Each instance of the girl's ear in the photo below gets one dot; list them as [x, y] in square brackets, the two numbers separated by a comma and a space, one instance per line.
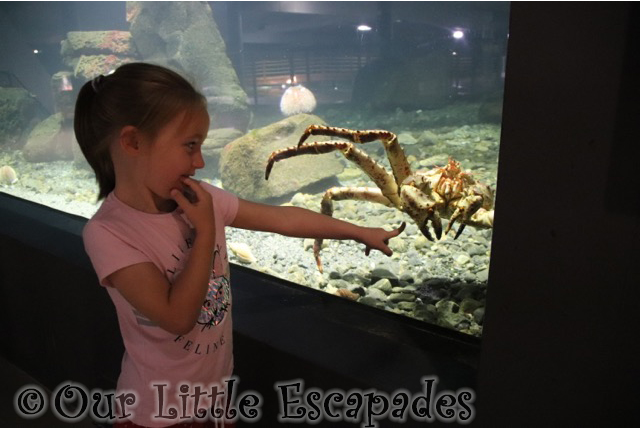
[129, 140]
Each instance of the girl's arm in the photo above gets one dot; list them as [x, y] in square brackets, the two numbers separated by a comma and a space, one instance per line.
[303, 223]
[175, 307]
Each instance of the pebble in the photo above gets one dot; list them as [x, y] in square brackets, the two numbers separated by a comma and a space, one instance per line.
[398, 245]
[483, 275]
[462, 259]
[383, 285]
[376, 293]
[381, 272]
[407, 139]
[402, 297]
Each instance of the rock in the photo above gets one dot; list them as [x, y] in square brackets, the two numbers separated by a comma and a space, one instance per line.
[483, 275]
[478, 315]
[469, 305]
[79, 43]
[406, 139]
[243, 162]
[449, 314]
[184, 35]
[398, 245]
[420, 242]
[19, 113]
[383, 285]
[433, 292]
[377, 294]
[406, 306]
[426, 312]
[91, 53]
[476, 250]
[462, 259]
[90, 66]
[383, 273]
[371, 301]
[402, 297]
[52, 139]
[428, 138]
[213, 145]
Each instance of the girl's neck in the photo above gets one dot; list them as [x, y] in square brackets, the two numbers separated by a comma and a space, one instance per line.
[145, 201]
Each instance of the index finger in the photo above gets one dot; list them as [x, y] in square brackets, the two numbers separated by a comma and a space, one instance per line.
[400, 229]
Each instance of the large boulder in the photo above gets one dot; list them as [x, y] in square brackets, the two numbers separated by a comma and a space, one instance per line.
[19, 113]
[243, 162]
[52, 139]
[184, 36]
[212, 147]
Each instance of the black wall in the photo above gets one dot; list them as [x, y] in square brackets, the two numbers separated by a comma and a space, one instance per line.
[561, 345]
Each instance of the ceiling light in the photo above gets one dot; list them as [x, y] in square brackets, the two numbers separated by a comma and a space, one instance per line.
[364, 27]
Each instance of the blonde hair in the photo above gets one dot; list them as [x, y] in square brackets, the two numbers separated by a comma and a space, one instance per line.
[143, 95]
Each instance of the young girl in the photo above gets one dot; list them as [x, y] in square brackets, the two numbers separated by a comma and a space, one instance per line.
[157, 243]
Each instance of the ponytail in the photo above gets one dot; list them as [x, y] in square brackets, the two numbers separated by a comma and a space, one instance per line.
[95, 148]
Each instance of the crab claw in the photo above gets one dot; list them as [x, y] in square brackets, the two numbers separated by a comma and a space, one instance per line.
[454, 217]
[460, 229]
[435, 221]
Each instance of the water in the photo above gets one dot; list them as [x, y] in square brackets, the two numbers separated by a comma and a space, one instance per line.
[440, 95]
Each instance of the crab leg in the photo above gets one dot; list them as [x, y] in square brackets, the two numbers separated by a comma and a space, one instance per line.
[370, 194]
[373, 169]
[421, 208]
[466, 211]
[395, 153]
[482, 219]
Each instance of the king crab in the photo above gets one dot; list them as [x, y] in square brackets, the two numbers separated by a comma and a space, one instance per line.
[426, 196]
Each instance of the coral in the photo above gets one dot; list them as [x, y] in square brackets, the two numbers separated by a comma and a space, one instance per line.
[89, 66]
[297, 99]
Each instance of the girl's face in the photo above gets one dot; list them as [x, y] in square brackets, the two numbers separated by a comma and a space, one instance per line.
[174, 153]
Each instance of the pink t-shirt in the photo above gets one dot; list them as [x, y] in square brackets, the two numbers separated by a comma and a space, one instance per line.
[156, 362]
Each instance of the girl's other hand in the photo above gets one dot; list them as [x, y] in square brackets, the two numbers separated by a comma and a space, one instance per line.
[197, 206]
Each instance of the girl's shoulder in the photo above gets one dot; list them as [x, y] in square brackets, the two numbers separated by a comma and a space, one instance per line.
[224, 201]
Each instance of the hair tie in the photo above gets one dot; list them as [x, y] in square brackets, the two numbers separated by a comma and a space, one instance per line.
[95, 83]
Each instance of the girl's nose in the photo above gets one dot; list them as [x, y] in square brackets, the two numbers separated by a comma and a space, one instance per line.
[198, 160]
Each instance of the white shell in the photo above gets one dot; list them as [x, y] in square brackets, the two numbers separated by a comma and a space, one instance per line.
[8, 175]
[242, 252]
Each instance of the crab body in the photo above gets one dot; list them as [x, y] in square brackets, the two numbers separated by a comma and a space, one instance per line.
[426, 196]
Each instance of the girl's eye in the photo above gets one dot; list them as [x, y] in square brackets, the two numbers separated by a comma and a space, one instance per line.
[191, 145]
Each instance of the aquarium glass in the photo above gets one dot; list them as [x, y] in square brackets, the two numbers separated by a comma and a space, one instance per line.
[431, 73]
